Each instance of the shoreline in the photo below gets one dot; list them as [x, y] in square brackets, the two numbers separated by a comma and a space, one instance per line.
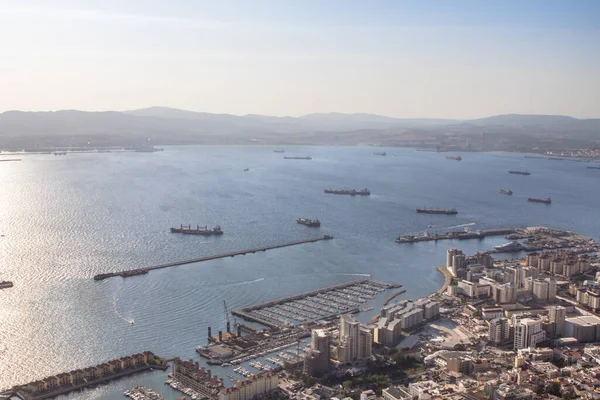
[114, 149]
[447, 280]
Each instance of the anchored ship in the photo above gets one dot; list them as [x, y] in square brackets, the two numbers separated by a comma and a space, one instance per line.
[6, 284]
[279, 151]
[309, 222]
[455, 158]
[519, 172]
[512, 246]
[505, 191]
[353, 192]
[593, 167]
[380, 154]
[298, 158]
[200, 230]
[447, 211]
[547, 200]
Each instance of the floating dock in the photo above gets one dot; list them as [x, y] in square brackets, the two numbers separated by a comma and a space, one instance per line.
[145, 270]
[320, 304]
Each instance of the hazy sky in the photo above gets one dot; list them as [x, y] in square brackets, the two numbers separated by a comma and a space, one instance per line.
[457, 59]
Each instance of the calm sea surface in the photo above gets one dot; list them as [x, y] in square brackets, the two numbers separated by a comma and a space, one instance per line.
[65, 219]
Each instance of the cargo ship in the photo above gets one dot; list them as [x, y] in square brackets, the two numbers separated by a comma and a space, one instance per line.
[298, 158]
[279, 151]
[505, 191]
[512, 246]
[309, 222]
[446, 211]
[593, 167]
[6, 284]
[383, 153]
[200, 230]
[519, 172]
[455, 158]
[353, 192]
[60, 153]
[547, 200]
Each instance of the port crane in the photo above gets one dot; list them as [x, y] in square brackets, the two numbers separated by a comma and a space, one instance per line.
[226, 311]
[235, 324]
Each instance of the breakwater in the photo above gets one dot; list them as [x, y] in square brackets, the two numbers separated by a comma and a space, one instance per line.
[145, 270]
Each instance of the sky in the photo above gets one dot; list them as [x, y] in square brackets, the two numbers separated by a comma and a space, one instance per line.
[410, 59]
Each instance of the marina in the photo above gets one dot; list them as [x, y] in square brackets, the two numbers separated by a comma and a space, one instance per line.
[141, 271]
[317, 305]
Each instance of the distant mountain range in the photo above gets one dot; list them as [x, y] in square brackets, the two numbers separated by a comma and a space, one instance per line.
[165, 126]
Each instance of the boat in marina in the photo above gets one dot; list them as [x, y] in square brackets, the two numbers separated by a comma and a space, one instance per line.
[510, 247]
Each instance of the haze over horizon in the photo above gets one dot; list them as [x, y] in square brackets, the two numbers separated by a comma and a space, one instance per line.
[431, 59]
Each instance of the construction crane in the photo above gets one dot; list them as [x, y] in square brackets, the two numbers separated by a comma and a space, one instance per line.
[226, 311]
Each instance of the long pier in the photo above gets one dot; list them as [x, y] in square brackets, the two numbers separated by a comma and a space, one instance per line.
[145, 270]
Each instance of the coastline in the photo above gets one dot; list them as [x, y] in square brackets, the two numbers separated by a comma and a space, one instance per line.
[447, 280]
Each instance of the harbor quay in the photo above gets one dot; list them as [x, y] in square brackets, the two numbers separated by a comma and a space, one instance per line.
[320, 304]
[461, 235]
[141, 271]
[67, 382]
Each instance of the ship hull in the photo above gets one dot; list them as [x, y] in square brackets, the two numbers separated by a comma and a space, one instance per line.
[348, 192]
[307, 222]
[540, 201]
[195, 232]
[442, 212]
[519, 173]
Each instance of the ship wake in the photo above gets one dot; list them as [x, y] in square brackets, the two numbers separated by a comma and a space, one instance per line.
[128, 320]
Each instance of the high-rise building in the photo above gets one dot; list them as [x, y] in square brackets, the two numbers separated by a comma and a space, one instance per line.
[499, 330]
[316, 362]
[515, 276]
[528, 331]
[355, 341]
[557, 316]
[540, 290]
[450, 253]
[551, 289]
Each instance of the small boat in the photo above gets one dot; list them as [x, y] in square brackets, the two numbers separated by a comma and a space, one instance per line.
[505, 191]
[246, 169]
